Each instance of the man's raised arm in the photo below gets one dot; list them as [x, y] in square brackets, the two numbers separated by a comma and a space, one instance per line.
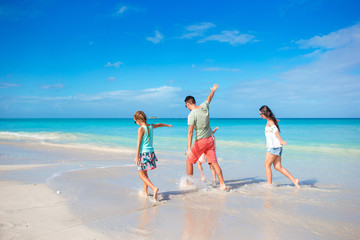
[211, 95]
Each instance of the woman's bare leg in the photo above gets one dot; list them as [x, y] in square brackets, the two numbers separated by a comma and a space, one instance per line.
[278, 167]
[269, 159]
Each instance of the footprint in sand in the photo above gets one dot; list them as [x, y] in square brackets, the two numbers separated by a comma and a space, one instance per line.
[6, 225]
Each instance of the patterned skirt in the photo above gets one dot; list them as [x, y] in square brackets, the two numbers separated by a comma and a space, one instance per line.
[147, 161]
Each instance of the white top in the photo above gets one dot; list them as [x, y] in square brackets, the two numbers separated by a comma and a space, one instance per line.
[272, 140]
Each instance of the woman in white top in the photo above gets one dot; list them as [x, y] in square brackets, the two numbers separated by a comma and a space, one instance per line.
[274, 145]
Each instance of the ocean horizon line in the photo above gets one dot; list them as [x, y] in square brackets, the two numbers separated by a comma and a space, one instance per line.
[150, 118]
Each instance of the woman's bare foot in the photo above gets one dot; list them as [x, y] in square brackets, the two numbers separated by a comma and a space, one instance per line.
[155, 194]
[296, 183]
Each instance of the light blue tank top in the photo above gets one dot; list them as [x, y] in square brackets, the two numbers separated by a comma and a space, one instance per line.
[146, 145]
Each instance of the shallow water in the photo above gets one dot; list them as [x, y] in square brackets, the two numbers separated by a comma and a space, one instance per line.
[110, 200]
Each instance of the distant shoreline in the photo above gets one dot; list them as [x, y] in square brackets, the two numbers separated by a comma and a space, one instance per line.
[69, 118]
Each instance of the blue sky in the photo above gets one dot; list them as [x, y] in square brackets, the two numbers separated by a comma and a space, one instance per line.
[111, 58]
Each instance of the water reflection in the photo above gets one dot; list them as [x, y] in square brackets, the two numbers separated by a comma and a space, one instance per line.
[202, 215]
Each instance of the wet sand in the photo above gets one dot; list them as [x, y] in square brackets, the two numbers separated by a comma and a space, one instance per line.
[53, 192]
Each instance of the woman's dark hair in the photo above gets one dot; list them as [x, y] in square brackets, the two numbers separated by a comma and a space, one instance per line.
[269, 114]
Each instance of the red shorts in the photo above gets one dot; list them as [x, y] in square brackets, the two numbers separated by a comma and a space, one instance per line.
[204, 145]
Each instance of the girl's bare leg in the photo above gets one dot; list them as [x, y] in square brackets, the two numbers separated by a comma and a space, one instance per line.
[201, 169]
[213, 173]
[143, 176]
[277, 165]
[146, 186]
[269, 159]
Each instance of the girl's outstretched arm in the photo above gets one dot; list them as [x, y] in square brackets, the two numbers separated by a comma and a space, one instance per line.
[161, 125]
[141, 132]
[282, 142]
[215, 129]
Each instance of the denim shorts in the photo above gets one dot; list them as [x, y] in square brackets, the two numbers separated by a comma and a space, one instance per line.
[275, 151]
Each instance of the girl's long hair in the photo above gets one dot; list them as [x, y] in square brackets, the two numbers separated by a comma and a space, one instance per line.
[140, 115]
[269, 114]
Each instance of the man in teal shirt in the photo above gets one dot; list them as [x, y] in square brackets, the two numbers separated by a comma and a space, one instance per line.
[199, 120]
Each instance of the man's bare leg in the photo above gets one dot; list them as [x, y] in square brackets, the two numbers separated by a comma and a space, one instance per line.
[218, 172]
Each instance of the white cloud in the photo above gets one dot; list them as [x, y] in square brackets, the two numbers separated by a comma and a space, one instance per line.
[122, 10]
[333, 40]
[144, 95]
[8, 85]
[197, 30]
[115, 64]
[157, 38]
[340, 50]
[231, 37]
[54, 98]
[162, 94]
[218, 69]
[328, 86]
[111, 79]
[121, 102]
[58, 85]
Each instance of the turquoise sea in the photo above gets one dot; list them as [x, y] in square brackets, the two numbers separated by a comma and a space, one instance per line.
[235, 135]
[334, 133]
[91, 163]
[333, 142]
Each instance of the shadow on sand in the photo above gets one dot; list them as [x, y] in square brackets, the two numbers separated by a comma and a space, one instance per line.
[168, 194]
[236, 184]
[308, 183]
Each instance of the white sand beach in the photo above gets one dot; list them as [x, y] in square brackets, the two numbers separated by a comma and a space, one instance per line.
[34, 211]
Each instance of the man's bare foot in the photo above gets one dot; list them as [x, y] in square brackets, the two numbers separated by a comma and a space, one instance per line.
[155, 194]
[297, 183]
[203, 179]
[222, 187]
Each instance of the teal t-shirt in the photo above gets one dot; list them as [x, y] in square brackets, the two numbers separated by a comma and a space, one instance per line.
[200, 119]
[146, 145]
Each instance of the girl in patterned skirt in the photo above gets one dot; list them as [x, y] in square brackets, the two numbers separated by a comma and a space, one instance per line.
[145, 156]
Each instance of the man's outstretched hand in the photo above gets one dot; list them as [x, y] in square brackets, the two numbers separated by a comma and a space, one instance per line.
[214, 87]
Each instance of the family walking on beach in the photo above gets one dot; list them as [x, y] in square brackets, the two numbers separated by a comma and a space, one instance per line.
[204, 143]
